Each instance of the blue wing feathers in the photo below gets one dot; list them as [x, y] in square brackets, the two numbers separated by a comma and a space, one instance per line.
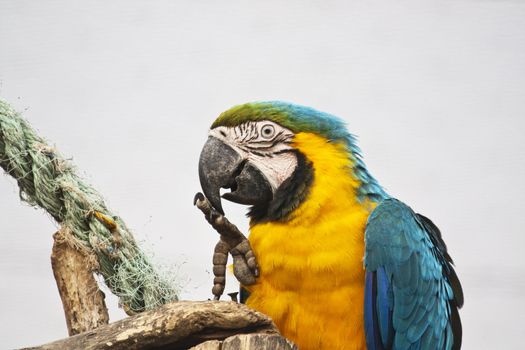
[369, 310]
[435, 236]
[378, 304]
[373, 340]
[384, 307]
[412, 292]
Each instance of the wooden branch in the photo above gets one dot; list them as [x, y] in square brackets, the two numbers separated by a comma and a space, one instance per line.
[83, 302]
[249, 342]
[177, 325]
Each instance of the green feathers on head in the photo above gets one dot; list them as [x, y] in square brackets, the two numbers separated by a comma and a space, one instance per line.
[294, 117]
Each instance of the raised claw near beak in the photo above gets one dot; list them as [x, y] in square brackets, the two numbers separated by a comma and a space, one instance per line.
[245, 267]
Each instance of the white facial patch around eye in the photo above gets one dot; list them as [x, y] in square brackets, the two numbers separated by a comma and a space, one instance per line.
[265, 144]
[223, 133]
[255, 136]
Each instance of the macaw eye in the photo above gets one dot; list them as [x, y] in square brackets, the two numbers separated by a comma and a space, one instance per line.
[268, 131]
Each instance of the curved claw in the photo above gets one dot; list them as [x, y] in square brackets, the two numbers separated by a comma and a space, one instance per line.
[199, 197]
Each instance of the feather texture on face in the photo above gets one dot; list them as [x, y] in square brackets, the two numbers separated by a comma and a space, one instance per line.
[265, 144]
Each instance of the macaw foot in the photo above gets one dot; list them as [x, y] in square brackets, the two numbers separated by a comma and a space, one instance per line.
[245, 267]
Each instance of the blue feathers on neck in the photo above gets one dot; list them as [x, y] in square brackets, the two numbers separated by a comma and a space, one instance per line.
[306, 119]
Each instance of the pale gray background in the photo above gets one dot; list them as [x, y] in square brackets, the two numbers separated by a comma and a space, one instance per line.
[434, 89]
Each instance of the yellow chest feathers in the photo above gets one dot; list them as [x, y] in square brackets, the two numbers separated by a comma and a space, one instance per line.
[312, 276]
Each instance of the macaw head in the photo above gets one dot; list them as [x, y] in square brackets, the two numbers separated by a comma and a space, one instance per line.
[254, 151]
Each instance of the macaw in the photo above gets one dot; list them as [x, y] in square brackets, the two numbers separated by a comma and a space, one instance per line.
[342, 264]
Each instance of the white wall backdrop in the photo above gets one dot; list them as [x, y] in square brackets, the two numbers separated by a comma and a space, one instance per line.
[128, 89]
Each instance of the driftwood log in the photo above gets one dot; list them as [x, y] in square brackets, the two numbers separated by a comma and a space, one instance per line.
[248, 342]
[177, 325]
[257, 342]
[83, 302]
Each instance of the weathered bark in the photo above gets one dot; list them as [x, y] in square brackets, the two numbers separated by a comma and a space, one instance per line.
[177, 325]
[249, 342]
[83, 302]
[208, 345]
[257, 342]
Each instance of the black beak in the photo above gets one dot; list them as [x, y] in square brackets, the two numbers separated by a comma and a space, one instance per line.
[220, 166]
